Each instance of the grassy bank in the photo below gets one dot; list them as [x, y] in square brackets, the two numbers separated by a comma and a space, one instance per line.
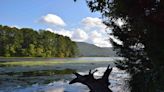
[40, 73]
[35, 63]
[29, 63]
[40, 63]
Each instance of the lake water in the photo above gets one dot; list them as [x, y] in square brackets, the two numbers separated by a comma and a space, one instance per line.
[62, 59]
[117, 77]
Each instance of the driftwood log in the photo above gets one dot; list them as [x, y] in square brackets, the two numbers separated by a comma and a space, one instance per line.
[95, 85]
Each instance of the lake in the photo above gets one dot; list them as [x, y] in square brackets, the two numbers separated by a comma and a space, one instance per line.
[59, 82]
[60, 59]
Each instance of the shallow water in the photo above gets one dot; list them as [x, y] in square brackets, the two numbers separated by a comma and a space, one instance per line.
[117, 79]
[59, 83]
[61, 59]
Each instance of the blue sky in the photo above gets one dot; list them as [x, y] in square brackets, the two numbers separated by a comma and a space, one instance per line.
[42, 14]
[24, 13]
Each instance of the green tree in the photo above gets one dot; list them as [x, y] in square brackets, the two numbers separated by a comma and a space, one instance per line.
[47, 40]
[10, 40]
[141, 36]
[29, 42]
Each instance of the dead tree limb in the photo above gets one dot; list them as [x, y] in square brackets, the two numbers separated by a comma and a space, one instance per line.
[95, 85]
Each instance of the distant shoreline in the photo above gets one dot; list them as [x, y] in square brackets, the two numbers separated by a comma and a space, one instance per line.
[12, 59]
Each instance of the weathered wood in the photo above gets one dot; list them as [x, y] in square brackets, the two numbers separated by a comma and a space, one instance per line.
[95, 85]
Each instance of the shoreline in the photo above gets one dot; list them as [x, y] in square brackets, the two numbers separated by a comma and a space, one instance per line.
[11, 59]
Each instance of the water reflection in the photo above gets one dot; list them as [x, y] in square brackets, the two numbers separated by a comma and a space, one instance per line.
[117, 79]
[63, 59]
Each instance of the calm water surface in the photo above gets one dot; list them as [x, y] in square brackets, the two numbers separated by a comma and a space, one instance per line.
[59, 83]
[62, 59]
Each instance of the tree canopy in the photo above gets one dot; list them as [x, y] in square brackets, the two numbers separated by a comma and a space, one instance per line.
[141, 34]
[26, 42]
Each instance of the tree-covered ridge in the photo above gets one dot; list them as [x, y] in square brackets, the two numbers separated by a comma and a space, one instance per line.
[26, 42]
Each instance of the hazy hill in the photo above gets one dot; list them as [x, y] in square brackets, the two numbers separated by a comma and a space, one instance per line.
[86, 49]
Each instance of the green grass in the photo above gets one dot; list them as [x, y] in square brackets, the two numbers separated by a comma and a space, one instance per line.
[40, 73]
[35, 63]
[40, 63]
[30, 63]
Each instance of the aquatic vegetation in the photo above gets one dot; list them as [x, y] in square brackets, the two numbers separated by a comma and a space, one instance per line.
[40, 73]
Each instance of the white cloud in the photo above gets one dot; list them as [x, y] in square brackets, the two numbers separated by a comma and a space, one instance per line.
[116, 40]
[92, 31]
[52, 19]
[120, 22]
[75, 35]
[99, 39]
[64, 32]
[96, 31]
[49, 29]
[61, 32]
[15, 26]
[93, 22]
[79, 35]
[102, 43]
[95, 34]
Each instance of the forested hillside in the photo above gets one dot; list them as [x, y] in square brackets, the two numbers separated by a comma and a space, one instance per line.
[26, 42]
[90, 50]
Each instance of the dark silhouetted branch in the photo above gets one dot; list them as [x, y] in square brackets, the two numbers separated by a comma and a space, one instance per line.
[95, 85]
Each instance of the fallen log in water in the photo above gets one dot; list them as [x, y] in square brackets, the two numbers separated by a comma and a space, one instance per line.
[95, 85]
